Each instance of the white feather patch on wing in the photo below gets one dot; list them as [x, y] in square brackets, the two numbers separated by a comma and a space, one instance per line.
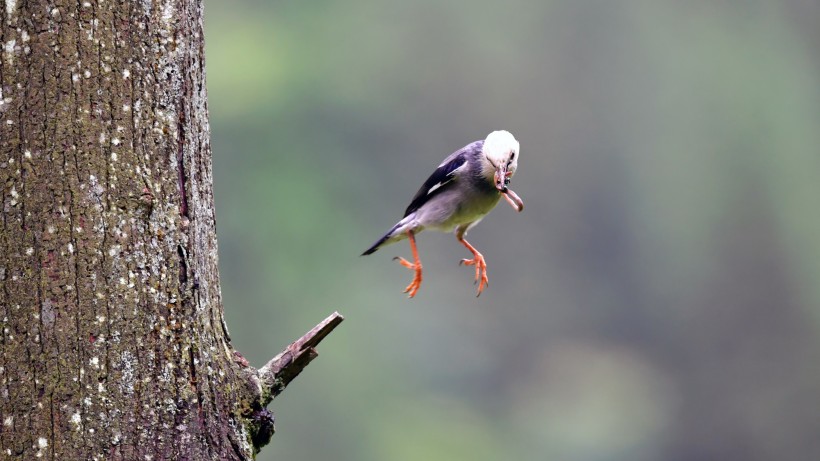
[450, 178]
[436, 186]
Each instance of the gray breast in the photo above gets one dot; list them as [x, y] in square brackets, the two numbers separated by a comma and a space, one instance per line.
[455, 207]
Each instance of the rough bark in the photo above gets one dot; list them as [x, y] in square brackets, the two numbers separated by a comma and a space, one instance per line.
[113, 340]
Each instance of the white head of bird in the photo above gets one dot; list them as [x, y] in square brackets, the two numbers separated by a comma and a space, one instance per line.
[501, 151]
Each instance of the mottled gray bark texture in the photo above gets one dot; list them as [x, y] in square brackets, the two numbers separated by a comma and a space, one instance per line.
[113, 340]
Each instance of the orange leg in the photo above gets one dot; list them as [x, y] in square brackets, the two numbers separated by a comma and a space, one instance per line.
[478, 262]
[416, 266]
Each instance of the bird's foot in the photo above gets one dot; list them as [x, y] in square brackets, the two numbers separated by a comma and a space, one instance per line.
[480, 271]
[414, 286]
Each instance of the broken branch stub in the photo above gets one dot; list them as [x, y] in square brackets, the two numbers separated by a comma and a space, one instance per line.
[281, 370]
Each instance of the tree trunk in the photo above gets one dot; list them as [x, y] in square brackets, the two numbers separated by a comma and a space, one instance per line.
[113, 339]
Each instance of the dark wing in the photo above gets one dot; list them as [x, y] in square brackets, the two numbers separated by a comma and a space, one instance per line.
[441, 179]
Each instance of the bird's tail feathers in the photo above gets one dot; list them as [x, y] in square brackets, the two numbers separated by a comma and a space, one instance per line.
[390, 237]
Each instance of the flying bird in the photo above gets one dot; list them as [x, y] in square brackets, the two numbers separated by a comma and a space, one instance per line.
[462, 190]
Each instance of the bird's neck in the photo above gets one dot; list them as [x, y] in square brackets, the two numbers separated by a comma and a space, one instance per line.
[487, 171]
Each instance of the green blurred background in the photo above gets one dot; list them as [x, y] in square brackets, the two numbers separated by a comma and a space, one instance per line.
[658, 298]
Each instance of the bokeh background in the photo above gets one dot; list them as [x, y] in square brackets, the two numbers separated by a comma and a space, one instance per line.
[657, 299]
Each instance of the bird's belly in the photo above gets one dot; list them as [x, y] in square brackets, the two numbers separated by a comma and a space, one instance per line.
[459, 213]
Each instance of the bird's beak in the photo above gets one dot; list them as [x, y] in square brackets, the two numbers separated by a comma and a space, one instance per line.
[502, 178]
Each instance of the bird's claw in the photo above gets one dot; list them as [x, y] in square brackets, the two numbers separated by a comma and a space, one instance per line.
[404, 262]
[480, 271]
[414, 286]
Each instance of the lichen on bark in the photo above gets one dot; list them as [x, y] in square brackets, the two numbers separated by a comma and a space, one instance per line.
[113, 340]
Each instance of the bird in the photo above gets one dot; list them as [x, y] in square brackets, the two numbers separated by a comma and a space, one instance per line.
[460, 192]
